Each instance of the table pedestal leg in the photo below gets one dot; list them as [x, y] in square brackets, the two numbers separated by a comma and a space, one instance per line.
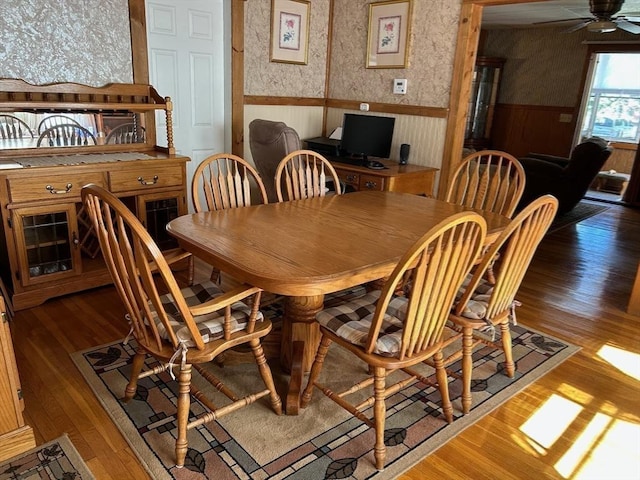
[300, 339]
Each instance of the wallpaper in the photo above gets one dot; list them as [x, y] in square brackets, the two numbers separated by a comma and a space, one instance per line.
[263, 77]
[83, 41]
[434, 27]
[544, 66]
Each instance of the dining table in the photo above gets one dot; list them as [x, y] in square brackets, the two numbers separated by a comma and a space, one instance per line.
[304, 249]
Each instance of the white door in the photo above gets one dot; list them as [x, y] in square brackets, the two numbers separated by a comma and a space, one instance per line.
[186, 44]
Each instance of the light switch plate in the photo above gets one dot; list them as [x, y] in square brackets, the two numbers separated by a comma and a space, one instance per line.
[400, 86]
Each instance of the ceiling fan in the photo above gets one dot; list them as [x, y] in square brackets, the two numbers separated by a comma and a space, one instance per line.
[604, 19]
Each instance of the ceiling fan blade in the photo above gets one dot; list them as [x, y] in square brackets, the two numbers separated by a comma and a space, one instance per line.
[562, 21]
[575, 28]
[628, 26]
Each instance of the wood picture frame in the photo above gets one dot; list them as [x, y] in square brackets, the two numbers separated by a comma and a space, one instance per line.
[290, 31]
[389, 34]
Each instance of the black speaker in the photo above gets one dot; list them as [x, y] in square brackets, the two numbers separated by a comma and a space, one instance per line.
[404, 153]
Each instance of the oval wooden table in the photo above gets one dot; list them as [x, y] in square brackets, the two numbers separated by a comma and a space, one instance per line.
[306, 248]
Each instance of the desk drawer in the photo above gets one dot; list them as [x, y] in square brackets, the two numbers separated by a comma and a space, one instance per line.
[50, 187]
[349, 178]
[371, 182]
[141, 178]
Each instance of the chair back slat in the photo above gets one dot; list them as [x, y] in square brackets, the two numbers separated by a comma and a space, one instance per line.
[65, 135]
[138, 268]
[488, 180]
[517, 244]
[224, 181]
[304, 174]
[436, 265]
[13, 128]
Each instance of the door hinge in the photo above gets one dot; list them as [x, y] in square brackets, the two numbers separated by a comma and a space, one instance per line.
[3, 317]
[19, 392]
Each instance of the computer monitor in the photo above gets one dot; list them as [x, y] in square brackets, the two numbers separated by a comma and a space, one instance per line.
[367, 135]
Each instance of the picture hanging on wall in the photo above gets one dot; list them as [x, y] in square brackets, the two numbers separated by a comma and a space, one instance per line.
[290, 31]
[389, 34]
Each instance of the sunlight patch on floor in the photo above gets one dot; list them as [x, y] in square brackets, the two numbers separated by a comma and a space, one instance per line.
[607, 448]
[550, 421]
[625, 361]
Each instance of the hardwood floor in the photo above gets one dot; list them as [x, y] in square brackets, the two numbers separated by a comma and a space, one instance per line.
[577, 289]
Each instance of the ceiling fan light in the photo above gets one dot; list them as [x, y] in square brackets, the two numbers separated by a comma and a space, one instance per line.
[601, 26]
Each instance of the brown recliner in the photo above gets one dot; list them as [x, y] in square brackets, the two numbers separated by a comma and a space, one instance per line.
[270, 142]
[567, 179]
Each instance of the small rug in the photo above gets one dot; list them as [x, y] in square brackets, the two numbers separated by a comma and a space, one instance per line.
[57, 460]
[324, 441]
[580, 212]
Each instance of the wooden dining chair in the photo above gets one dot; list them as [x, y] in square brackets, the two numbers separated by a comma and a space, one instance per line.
[54, 120]
[12, 127]
[489, 180]
[126, 133]
[180, 328]
[483, 306]
[391, 333]
[66, 135]
[304, 174]
[224, 181]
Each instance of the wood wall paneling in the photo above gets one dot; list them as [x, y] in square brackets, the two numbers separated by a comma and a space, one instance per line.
[521, 129]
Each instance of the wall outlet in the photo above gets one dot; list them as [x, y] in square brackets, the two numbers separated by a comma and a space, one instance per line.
[364, 107]
[400, 86]
[566, 118]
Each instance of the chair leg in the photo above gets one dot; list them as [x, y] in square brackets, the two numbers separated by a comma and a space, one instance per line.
[443, 384]
[467, 366]
[509, 366]
[182, 416]
[379, 415]
[136, 368]
[265, 373]
[316, 368]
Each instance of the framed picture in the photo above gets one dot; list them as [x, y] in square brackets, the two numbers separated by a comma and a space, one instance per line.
[389, 34]
[290, 31]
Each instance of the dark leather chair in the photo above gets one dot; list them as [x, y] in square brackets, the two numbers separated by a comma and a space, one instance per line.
[270, 142]
[567, 179]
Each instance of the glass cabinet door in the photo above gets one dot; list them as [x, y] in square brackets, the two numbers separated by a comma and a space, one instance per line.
[156, 210]
[484, 94]
[47, 242]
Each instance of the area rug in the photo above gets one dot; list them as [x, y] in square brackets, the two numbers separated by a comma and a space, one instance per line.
[324, 441]
[581, 211]
[55, 460]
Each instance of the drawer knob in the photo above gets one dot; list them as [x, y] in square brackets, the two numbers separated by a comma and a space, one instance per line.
[54, 191]
[371, 185]
[147, 182]
[351, 178]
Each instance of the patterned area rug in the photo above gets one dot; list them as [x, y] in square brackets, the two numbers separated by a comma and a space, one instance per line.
[324, 441]
[57, 460]
[580, 212]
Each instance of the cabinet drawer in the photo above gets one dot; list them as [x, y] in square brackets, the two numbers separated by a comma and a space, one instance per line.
[371, 182]
[67, 185]
[349, 178]
[140, 178]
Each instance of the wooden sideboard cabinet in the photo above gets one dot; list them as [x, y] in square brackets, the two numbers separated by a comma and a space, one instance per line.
[395, 178]
[15, 436]
[47, 246]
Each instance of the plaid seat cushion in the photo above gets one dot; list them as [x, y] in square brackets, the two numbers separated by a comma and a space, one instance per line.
[352, 320]
[210, 325]
[477, 305]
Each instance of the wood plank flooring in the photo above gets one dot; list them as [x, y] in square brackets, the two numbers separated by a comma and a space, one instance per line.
[576, 289]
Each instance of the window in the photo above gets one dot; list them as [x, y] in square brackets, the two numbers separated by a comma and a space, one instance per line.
[611, 109]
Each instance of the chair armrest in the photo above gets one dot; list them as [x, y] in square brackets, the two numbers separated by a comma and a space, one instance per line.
[561, 161]
[228, 298]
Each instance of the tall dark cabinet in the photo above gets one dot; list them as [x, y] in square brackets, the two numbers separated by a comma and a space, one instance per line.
[484, 94]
